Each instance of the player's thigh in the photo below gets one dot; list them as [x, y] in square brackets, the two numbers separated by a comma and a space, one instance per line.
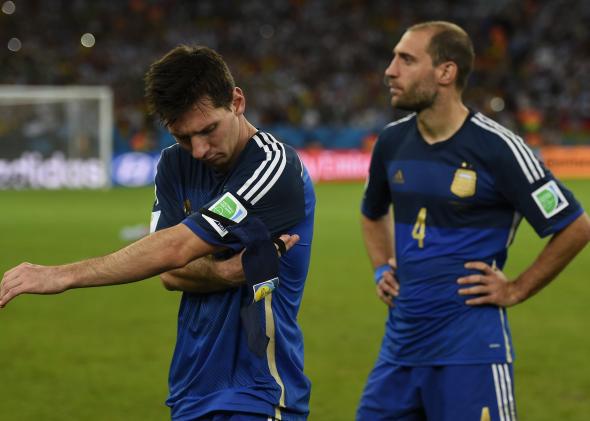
[482, 392]
[390, 394]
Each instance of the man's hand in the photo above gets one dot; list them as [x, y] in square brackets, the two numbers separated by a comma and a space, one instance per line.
[289, 239]
[207, 275]
[231, 269]
[491, 286]
[388, 287]
[31, 279]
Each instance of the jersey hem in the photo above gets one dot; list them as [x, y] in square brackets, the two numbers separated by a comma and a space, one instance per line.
[446, 362]
[269, 411]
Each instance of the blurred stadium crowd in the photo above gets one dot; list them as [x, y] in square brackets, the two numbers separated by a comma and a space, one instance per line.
[311, 68]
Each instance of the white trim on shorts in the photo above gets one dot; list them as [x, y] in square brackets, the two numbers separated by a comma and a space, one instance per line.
[504, 395]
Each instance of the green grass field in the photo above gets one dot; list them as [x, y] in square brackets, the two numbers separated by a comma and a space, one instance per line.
[103, 354]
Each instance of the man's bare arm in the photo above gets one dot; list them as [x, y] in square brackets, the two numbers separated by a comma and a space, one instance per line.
[160, 252]
[378, 237]
[493, 287]
[207, 274]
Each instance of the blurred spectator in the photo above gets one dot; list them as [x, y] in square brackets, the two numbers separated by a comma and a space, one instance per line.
[312, 63]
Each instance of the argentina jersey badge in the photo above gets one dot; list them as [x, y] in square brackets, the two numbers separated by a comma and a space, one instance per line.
[464, 182]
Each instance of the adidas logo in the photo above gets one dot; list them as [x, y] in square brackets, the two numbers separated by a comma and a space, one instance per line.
[398, 177]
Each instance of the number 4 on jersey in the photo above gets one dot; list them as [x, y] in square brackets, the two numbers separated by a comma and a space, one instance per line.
[419, 231]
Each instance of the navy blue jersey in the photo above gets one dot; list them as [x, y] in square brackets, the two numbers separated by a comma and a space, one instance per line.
[456, 201]
[212, 368]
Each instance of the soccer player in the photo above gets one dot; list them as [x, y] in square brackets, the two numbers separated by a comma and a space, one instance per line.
[459, 183]
[224, 185]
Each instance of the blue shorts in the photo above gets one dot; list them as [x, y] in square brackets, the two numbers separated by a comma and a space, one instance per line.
[481, 392]
[234, 416]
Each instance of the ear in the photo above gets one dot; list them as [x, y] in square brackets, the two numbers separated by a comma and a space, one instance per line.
[447, 73]
[238, 101]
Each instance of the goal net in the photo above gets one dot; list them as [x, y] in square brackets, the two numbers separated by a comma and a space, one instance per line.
[55, 137]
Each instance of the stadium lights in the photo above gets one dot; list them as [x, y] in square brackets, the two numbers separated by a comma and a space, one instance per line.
[14, 44]
[497, 104]
[87, 40]
[267, 31]
[8, 7]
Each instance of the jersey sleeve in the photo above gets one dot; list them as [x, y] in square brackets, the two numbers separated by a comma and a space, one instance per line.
[268, 186]
[532, 189]
[377, 198]
[167, 210]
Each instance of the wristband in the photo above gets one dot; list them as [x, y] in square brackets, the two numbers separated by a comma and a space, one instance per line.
[380, 271]
[282, 248]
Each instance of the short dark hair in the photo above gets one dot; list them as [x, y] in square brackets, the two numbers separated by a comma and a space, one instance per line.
[184, 77]
[450, 42]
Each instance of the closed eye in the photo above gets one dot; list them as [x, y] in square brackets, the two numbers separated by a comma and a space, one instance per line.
[208, 130]
[186, 139]
[407, 58]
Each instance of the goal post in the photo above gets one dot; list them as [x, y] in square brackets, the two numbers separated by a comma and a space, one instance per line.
[55, 137]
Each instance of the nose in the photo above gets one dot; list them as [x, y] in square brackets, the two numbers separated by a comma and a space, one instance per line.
[392, 71]
[199, 147]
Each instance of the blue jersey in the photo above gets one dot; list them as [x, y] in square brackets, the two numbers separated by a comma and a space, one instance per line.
[212, 368]
[456, 201]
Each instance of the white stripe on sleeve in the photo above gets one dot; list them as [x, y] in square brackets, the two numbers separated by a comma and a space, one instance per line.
[512, 147]
[256, 173]
[273, 181]
[528, 155]
[262, 181]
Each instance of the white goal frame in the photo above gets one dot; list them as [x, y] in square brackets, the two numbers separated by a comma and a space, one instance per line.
[42, 94]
